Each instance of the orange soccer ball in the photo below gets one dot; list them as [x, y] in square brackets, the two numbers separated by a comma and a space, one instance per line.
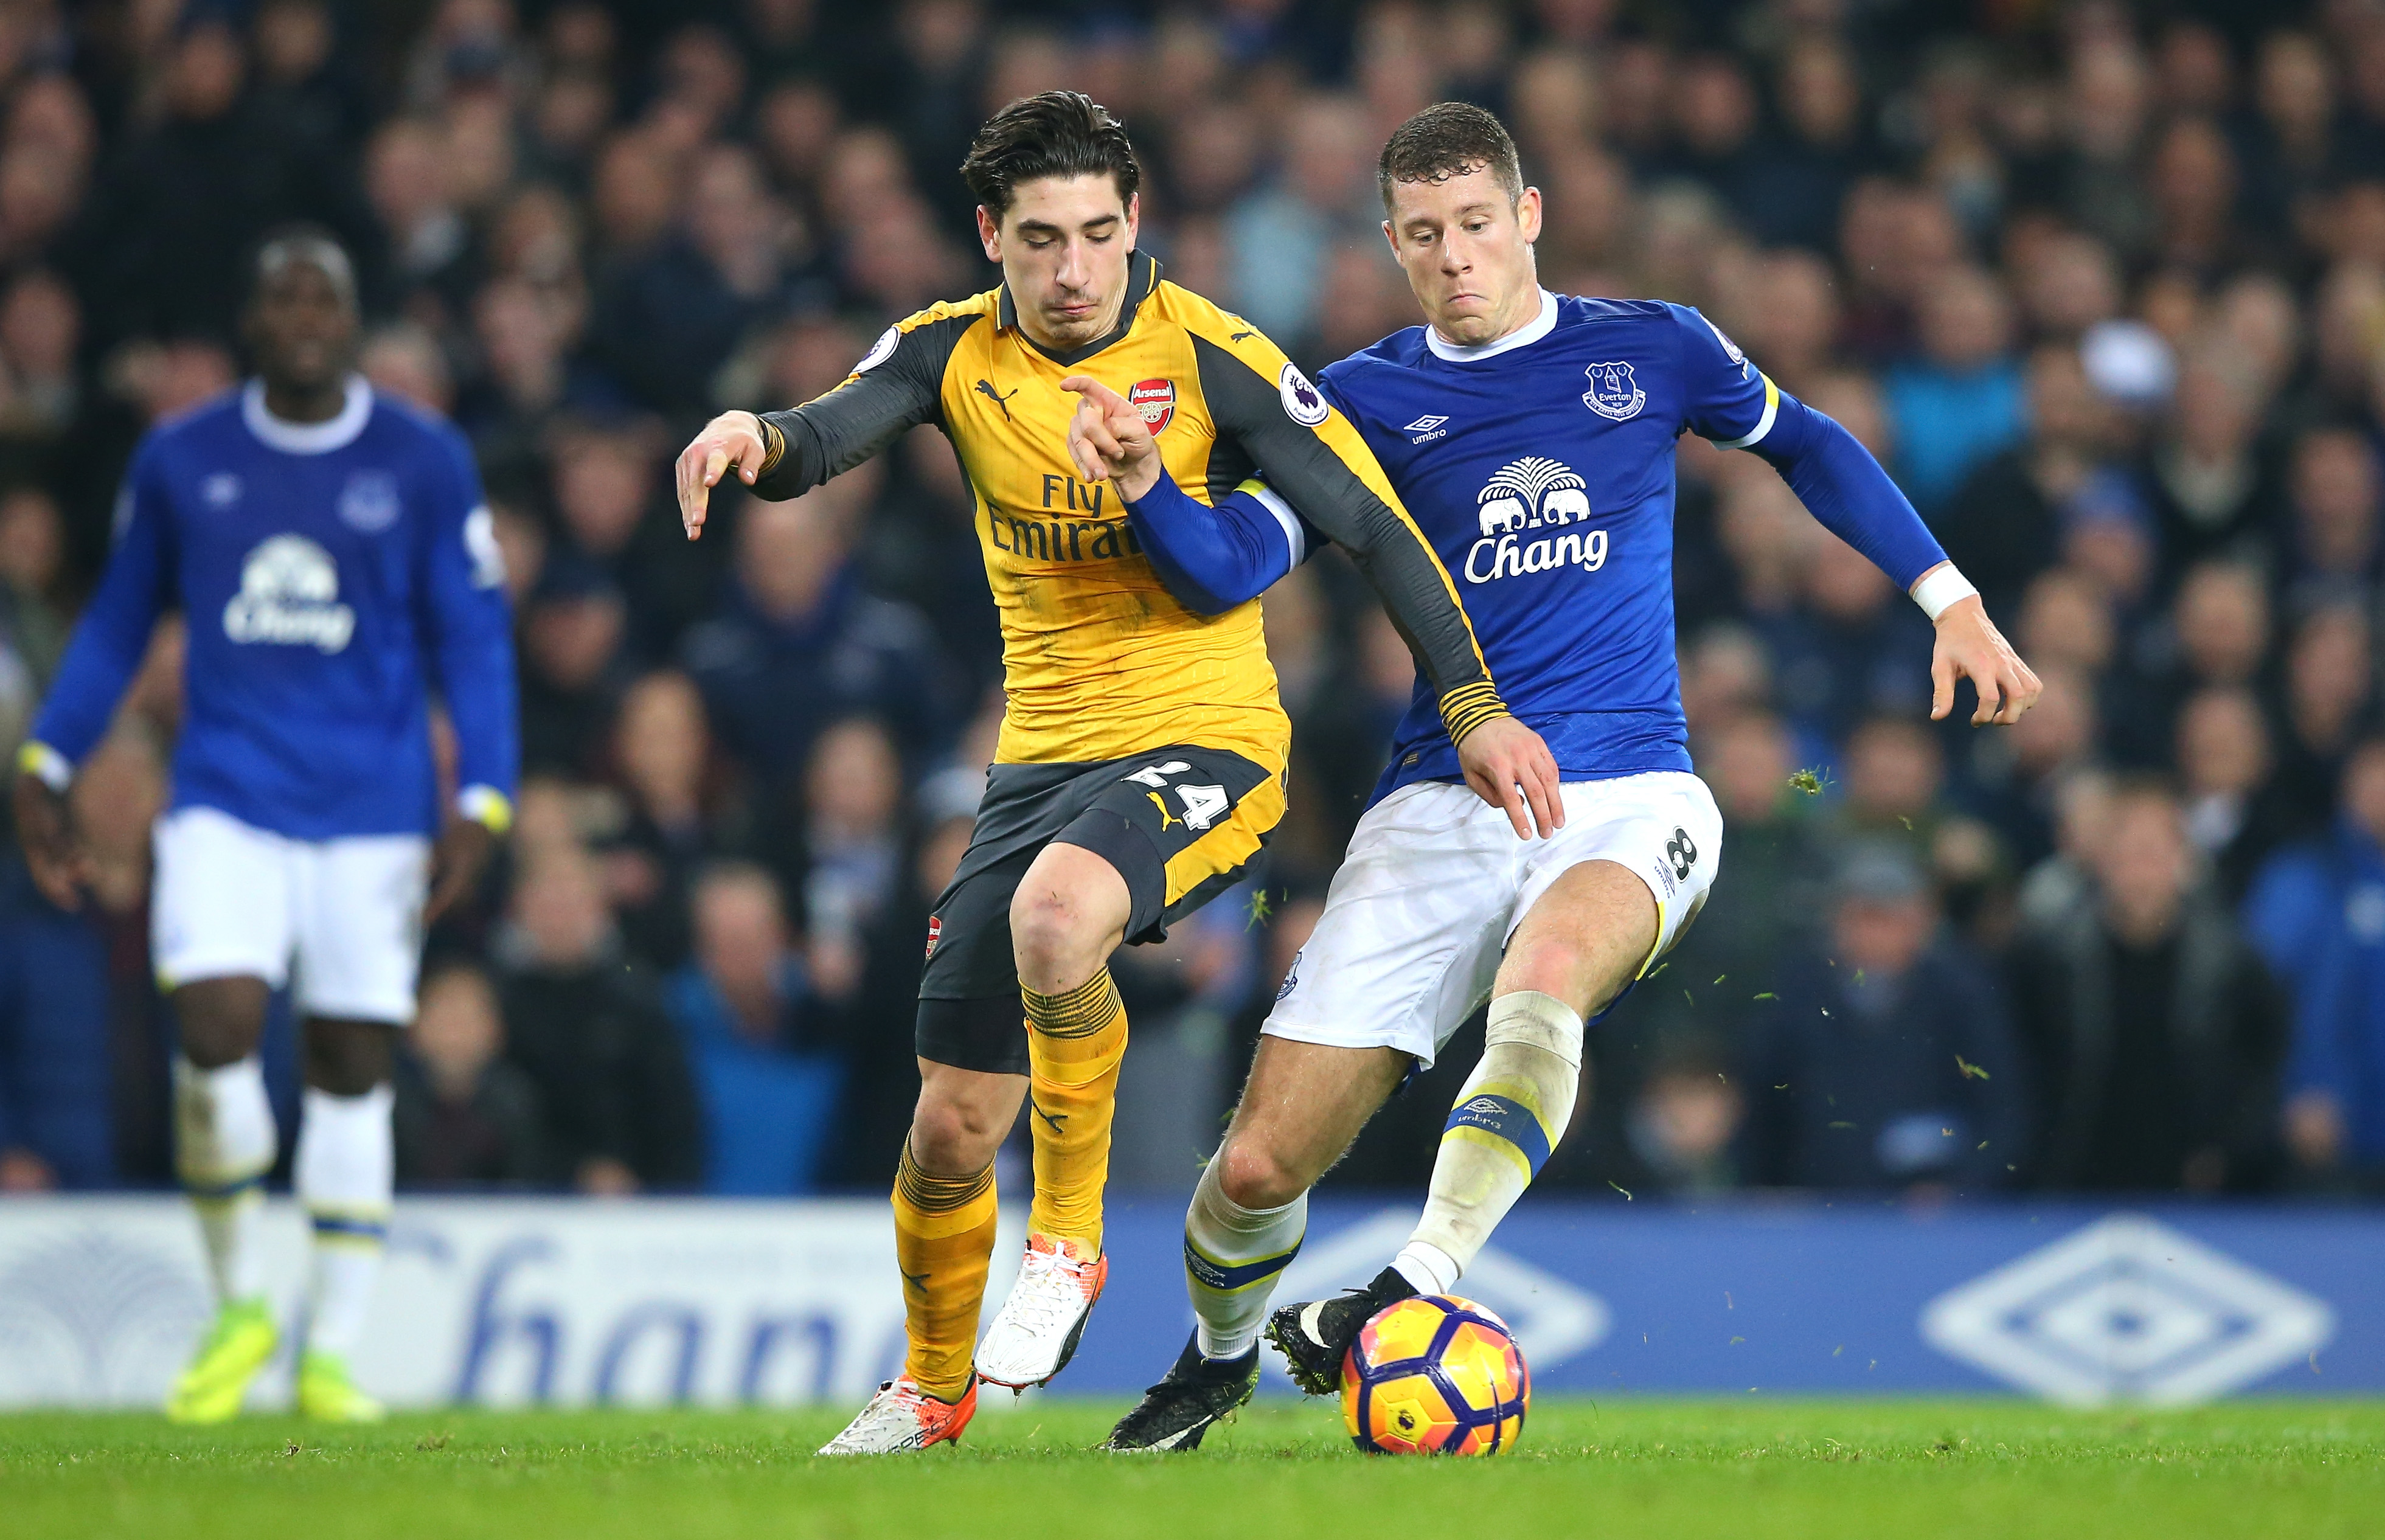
[1435, 1375]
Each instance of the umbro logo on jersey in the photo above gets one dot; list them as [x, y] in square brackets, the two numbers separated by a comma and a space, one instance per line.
[1424, 429]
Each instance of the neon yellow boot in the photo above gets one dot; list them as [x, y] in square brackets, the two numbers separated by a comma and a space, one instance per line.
[328, 1393]
[235, 1347]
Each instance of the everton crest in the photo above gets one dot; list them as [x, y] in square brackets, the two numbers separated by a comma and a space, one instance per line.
[370, 504]
[1613, 393]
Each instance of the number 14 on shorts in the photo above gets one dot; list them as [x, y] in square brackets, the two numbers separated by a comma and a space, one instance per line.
[1201, 804]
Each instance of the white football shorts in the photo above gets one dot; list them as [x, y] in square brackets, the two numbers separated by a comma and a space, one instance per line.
[1435, 881]
[230, 900]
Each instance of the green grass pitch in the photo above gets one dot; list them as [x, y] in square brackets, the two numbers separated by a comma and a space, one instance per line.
[1752, 1470]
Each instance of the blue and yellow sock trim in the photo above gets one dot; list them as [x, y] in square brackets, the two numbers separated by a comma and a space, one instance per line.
[223, 1192]
[1218, 1277]
[1500, 1122]
[333, 1228]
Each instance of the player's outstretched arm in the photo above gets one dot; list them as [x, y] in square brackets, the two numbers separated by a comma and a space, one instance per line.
[895, 387]
[1849, 493]
[1970, 647]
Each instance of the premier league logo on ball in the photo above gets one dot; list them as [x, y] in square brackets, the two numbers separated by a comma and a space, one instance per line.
[1613, 392]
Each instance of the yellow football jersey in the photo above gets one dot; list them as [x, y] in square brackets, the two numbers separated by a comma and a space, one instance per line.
[1100, 661]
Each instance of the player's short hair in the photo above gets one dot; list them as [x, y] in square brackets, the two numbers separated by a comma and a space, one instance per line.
[1450, 139]
[1053, 133]
[310, 245]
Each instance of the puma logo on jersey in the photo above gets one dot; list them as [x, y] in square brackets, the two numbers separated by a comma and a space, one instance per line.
[1167, 820]
[289, 597]
[985, 388]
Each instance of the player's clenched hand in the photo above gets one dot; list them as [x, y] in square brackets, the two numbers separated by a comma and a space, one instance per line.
[1109, 440]
[733, 438]
[1509, 767]
[1970, 647]
[457, 862]
[53, 855]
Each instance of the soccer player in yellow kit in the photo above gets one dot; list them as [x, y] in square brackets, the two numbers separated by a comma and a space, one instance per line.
[1141, 766]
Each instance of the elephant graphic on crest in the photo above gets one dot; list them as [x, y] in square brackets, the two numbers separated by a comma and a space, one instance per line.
[1529, 494]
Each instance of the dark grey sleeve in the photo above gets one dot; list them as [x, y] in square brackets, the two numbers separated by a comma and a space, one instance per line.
[894, 391]
[1316, 469]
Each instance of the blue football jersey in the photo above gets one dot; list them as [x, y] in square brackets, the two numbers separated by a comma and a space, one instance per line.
[331, 575]
[1541, 468]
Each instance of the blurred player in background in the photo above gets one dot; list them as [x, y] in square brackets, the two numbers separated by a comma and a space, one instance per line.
[335, 563]
[1532, 437]
[1141, 757]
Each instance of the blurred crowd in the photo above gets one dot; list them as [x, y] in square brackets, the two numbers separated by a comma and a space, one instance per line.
[2104, 287]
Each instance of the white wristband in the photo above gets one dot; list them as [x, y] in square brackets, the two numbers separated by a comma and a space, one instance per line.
[1940, 588]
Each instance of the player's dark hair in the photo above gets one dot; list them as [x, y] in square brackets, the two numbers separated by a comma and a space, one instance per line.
[1450, 139]
[310, 244]
[1053, 134]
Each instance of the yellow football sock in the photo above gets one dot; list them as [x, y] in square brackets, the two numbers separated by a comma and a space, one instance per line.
[1074, 1045]
[943, 1242]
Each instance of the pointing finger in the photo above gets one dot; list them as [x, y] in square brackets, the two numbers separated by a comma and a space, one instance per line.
[1110, 402]
[1080, 449]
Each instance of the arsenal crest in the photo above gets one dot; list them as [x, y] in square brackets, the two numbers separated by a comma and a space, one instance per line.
[935, 932]
[1156, 399]
[1613, 393]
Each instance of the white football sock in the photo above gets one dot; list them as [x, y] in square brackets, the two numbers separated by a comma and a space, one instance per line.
[1513, 1109]
[1428, 1269]
[223, 1145]
[1232, 1258]
[345, 1169]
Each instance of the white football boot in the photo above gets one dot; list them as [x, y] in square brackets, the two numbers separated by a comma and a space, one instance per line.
[1036, 1333]
[902, 1416]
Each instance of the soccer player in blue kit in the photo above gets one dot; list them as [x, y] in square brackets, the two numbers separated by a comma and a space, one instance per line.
[1531, 438]
[333, 561]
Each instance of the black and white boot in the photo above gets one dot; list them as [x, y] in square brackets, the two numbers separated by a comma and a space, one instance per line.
[1316, 1335]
